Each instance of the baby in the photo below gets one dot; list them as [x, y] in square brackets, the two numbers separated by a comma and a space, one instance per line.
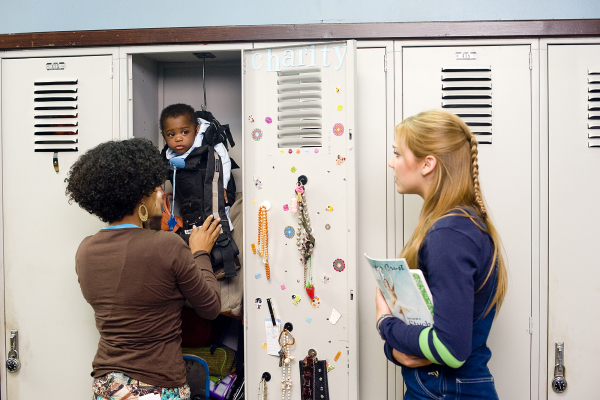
[199, 189]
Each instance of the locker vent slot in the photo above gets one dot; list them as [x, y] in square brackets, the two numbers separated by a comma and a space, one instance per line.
[56, 116]
[467, 92]
[55, 83]
[299, 107]
[593, 114]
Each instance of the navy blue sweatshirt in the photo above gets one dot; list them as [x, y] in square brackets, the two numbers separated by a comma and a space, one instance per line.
[455, 258]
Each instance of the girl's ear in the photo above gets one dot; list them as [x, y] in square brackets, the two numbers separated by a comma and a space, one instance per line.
[197, 129]
[429, 164]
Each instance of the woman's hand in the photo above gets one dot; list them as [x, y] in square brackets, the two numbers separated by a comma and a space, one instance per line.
[204, 238]
[409, 361]
[382, 307]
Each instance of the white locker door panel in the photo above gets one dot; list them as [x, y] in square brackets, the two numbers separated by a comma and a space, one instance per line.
[299, 120]
[574, 224]
[495, 91]
[41, 231]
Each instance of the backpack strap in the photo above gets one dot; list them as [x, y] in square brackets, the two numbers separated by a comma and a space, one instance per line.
[224, 251]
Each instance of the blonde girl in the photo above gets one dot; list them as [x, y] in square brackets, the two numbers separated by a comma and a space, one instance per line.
[458, 249]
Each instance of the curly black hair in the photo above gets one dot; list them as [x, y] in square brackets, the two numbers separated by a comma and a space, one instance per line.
[110, 179]
[177, 110]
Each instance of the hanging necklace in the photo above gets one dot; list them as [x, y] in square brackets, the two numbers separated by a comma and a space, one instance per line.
[305, 240]
[286, 365]
[263, 238]
[262, 387]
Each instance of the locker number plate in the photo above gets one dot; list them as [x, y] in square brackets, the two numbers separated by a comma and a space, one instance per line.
[466, 55]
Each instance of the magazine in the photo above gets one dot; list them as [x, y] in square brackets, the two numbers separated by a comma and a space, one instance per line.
[404, 289]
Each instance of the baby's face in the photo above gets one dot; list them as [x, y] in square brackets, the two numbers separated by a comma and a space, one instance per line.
[179, 133]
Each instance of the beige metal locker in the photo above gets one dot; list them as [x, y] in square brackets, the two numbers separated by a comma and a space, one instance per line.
[573, 112]
[490, 87]
[57, 336]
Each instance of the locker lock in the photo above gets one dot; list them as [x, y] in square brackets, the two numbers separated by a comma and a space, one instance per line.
[559, 383]
[12, 361]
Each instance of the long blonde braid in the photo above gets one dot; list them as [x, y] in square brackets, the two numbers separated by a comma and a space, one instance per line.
[475, 174]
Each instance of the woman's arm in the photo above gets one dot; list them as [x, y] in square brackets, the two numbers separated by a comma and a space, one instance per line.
[451, 259]
[391, 353]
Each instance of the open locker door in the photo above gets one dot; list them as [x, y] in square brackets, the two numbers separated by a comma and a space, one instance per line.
[299, 120]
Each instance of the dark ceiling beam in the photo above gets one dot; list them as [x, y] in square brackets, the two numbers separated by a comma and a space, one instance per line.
[365, 31]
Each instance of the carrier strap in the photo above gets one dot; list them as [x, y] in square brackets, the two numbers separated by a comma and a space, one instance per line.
[215, 187]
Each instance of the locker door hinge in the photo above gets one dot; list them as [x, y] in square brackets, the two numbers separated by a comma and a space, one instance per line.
[348, 355]
[531, 325]
[530, 61]
[112, 68]
[385, 63]
[244, 64]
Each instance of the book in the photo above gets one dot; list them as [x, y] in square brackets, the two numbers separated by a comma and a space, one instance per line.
[405, 290]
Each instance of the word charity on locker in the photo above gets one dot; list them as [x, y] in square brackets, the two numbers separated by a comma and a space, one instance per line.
[299, 58]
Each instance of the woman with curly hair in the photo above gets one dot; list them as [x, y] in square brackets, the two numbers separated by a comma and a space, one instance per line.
[137, 280]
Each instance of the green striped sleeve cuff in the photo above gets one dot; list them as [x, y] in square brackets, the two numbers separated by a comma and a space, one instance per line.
[442, 350]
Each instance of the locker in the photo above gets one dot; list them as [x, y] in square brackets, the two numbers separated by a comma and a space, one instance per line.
[162, 75]
[572, 85]
[42, 300]
[490, 88]
[302, 103]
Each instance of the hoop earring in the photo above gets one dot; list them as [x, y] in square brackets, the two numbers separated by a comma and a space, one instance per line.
[143, 217]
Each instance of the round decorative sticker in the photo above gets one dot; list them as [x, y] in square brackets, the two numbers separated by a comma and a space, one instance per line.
[257, 134]
[316, 150]
[338, 129]
[288, 232]
[290, 151]
[268, 120]
[339, 265]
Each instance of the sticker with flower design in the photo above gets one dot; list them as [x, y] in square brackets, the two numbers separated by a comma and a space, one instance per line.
[257, 134]
[288, 232]
[339, 265]
[268, 120]
[338, 129]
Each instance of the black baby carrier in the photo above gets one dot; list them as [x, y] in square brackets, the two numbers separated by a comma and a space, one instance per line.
[199, 192]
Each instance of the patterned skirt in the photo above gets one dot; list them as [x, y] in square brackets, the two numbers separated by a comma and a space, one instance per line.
[118, 386]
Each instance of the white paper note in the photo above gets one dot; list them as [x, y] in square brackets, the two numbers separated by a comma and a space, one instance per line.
[335, 316]
[273, 345]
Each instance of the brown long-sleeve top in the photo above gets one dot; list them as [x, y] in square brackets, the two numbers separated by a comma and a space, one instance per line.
[137, 281]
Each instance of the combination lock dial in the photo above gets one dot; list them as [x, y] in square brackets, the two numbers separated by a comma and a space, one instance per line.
[559, 384]
[13, 364]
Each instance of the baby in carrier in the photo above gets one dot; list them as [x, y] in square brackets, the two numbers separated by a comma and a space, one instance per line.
[204, 186]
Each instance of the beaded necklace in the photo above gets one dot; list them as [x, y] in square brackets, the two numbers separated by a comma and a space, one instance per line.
[262, 387]
[263, 239]
[286, 365]
[305, 240]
